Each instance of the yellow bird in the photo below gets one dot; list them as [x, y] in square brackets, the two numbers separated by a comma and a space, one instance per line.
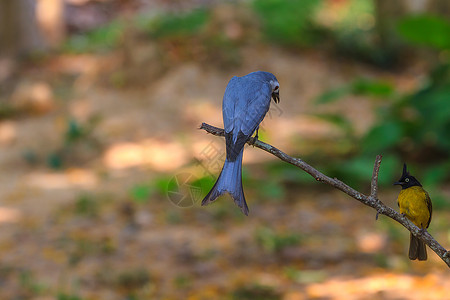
[415, 203]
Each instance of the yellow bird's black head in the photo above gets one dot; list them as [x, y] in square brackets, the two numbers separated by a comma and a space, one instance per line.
[407, 180]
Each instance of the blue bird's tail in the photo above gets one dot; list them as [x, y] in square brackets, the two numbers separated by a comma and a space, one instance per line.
[229, 181]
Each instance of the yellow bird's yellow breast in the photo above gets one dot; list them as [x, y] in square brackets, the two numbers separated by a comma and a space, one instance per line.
[415, 203]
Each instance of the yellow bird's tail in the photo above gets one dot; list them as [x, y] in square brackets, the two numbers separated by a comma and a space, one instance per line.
[417, 249]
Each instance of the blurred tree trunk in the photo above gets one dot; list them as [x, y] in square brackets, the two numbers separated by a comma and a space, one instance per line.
[387, 13]
[50, 16]
[19, 33]
[439, 7]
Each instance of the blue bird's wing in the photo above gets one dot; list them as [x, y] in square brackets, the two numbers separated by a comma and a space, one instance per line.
[245, 103]
[230, 101]
[257, 108]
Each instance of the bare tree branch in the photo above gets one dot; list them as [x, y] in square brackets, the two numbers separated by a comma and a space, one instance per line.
[371, 200]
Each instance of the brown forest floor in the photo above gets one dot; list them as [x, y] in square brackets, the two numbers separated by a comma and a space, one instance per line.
[77, 232]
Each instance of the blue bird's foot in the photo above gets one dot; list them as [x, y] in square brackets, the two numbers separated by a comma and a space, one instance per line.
[255, 138]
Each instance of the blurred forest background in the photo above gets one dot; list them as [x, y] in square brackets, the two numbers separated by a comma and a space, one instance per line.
[102, 165]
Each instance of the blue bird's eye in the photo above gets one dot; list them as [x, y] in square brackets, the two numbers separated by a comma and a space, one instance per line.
[407, 180]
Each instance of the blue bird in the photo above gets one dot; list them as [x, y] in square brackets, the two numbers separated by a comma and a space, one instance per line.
[245, 103]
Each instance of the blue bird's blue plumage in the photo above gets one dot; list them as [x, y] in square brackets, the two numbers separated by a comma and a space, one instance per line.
[245, 103]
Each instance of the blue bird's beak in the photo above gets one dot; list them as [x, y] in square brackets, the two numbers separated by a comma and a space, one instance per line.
[276, 97]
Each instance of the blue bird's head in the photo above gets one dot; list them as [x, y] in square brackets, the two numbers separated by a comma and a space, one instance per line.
[271, 79]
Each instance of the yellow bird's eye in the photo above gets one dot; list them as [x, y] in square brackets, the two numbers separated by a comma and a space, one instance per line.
[407, 180]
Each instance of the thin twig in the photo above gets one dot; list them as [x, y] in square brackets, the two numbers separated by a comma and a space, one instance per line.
[374, 182]
[371, 200]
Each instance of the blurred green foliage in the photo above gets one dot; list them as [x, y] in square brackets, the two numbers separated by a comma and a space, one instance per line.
[427, 30]
[191, 35]
[131, 280]
[346, 28]
[256, 291]
[288, 22]
[143, 192]
[271, 189]
[360, 86]
[64, 296]
[200, 34]
[29, 283]
[440, 202]
[87, 205]
[78, 141]
[7, 111]
[182, 281]
[156, 27]
[273, 241]
[181, 25]
[305, 276]
[413, 128]
[283, 174]
[355, 35]
[101, 39]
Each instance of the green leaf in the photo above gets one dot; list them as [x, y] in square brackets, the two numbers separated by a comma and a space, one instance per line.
[432, 31]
